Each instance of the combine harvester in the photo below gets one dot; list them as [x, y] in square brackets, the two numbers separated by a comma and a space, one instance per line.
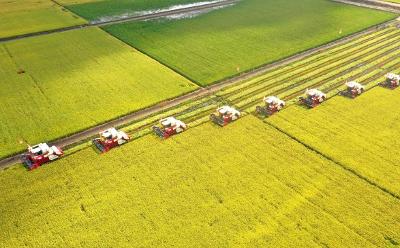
[392, 81]
[313, 98]
[225, 115]
[169, 126]
[353, 90]
[272, 105]
[40, 154]
[109, 139]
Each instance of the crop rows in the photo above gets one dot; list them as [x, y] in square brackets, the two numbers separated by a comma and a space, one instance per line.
[372, 55]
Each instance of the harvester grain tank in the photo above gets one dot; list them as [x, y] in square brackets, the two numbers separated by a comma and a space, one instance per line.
[392, 81]
[313, 98]
[353, 89]
[225, 115]
[109, 139]
[272, 105]
[40, 154]
[168, 127]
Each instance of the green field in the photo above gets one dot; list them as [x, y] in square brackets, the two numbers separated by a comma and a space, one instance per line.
[74, 80]
[240, 186]
[96, 10]
[361, 134]
[225, 42]
[29, 16]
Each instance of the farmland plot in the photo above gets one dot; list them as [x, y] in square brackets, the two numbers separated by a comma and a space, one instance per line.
[243, 185]
[234, 39]
[360, 134]
[108, 9]
[28, 16]
[86, 76]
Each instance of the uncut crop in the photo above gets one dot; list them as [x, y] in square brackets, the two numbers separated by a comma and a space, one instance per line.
[361, 134]
[243, 185]
[234, 39]
[96, 10]
[28, 16]
[59, 84]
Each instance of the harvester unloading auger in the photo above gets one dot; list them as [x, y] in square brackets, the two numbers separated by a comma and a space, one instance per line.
[313, 98]
[40, 154]
[168, 127]
[353, 89]
[392, 81]
[109, 139]
[225, 115]
[272, 105]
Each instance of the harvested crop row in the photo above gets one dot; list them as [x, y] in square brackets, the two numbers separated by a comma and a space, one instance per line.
[134, 195]
[362, 134]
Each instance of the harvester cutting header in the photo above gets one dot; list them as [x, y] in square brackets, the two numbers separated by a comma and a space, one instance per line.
[272, 105]
[225, 115]
[313, 98]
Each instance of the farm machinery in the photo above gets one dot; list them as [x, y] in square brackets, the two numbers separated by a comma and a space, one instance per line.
[272, 105]
[41, 154]
[313, 98]
[109, 139]
[392, 81]
[353, 89]
[225, 115]
[169, 126]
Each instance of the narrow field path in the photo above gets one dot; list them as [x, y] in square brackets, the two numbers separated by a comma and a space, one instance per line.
[374, 4]
[375, 41]
[127, 19]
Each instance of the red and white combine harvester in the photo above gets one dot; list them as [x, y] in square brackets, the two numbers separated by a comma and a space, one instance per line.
[353, 90]
[392, 81]
[225, 115]
[272, 105]
[313, 98]
[109, 139]
[41, 154]
[169, 126]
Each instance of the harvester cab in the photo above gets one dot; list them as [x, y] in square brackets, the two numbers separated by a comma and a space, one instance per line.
[392, 81]
[225, 115]
[109, 139]
[168, 127]
[40, 154]
[313, 98]
[272, 105]
[353, 89]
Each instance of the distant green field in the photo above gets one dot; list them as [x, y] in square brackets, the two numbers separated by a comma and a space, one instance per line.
[102, 9]
[246, 185]
[28, 16]
[228, 41]
[74, 80]
[362, 134]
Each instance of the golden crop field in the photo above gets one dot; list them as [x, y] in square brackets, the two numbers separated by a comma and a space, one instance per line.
[240, 186]
[360, 134]
[59, 84]
[29, 16]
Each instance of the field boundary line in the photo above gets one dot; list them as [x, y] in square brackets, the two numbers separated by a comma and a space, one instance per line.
[340, 164]
[373, 4]
[81, 135]
[122, 20]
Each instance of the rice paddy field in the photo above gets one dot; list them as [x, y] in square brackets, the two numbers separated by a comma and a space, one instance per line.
[228, 41]
[29, 16]
[245, 185]
[84, 75]
[107, 9]
[360, 134]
